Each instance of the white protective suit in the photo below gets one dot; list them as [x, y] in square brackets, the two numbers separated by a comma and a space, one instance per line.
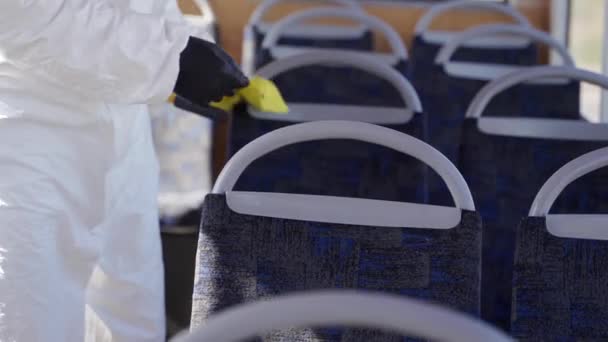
[80, 256]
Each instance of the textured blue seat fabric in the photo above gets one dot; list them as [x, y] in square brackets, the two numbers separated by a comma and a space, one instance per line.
[587, 195]
[365, 42]
[338, 85]
[446, 99]
[504, 175]
[244, 258]
[265, 57]
[425, 52]
[560, 286]
[332, 167]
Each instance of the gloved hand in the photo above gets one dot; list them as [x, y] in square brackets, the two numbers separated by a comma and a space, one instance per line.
[207, 73]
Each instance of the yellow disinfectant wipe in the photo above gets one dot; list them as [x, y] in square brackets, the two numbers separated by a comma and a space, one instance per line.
[261, 94]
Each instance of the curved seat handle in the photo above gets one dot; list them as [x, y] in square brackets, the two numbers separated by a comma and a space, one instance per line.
[349, 59]
[569, 173]
[394, 40]
[322, 130]
[350, 308]
[449, 49]
[425, 22]
[579, 226]
[488, 92]
[260, 12]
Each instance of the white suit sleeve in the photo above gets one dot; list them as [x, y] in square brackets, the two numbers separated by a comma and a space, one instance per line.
[94, 47]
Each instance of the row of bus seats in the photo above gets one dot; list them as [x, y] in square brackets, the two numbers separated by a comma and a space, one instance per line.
[255, 245]
[463, 174]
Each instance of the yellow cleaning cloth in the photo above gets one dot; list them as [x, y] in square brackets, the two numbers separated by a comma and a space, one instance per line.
[261, 94]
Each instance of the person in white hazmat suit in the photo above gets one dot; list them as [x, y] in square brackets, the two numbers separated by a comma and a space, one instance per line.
[80, 256]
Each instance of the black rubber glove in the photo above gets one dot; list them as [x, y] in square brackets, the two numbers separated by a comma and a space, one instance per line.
[207, 73]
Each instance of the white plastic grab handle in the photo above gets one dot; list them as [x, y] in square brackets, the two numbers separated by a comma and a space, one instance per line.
[572, 171]
[374, 23]
[321, 130]
[350, 59]
[264, 7]
[489, 91]
[424, 22]
[345, 308]
[448, 50]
